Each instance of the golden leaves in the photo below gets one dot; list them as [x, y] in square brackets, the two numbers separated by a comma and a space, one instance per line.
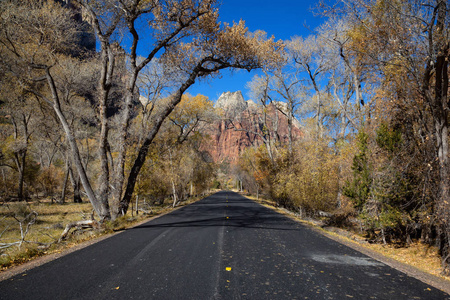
[192, 109]
[250, 49]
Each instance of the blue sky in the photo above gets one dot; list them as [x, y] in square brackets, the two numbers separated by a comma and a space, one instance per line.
[280, 18]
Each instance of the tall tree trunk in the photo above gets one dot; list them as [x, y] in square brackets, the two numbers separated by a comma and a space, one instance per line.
[356, 82]
[119, 174]
[441, 125]
[319, 100]
[174, 193]
[64, 187]
[77, 191]
[101, 208]
[20, 155]
[105, 87]
[290, 121]
[436, 73]
[75, 180]
[143, 150]
[20, 159]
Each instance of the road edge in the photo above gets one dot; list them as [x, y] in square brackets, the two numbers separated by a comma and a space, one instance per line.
[39, 261]
[430, 279]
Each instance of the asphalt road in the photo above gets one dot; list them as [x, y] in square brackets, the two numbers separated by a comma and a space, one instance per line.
[222, 247]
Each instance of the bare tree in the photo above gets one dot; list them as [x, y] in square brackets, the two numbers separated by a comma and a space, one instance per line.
[306, 54]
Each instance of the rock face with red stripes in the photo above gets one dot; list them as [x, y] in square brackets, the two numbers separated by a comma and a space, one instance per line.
[243, 124]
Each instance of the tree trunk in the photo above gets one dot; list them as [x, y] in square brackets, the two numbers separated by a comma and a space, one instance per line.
[438, 101]
[76, 191]
[174, 192]
[290, 121]
[20, 155]
[319, 100]
[137, 205]
[143, 150]
[105, 87]
[119, 174]
[64, 187]
[101, 208]
[75, 180]
[20, 163]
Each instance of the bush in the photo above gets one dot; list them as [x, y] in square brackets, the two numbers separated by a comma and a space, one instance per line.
[50, 179]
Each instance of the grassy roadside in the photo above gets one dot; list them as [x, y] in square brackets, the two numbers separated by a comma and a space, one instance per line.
[45, 227]
[418, 255]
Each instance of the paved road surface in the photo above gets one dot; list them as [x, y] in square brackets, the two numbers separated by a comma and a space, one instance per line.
[223, 247]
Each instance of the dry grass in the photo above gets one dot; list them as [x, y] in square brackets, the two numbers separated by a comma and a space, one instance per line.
[45, 227]
[418, 255]
[421, 256]
[49, 222]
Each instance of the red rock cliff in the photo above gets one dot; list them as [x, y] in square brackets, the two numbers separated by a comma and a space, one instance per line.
[242, 126]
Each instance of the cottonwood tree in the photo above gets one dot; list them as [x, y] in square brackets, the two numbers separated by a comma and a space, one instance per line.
[36, 38]
[343, 80]
[185, 35]
[266, 115]
[170, 23]
[19, 111]
[344, 74]
[214, 49]
[175, 162]
[307, 55]
[180, 138]
[288, 88]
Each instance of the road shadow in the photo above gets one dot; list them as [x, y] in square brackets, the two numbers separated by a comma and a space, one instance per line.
[224, 209]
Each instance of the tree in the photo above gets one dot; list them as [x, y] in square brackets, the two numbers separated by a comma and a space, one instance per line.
[17, 108]
[231, 47]
[175, 166]
[307, 55]
[358, 189]
[186, 36]
[265, 119]
[34, 38]
[289, 87]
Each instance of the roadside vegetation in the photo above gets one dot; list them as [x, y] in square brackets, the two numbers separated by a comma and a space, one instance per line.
[420, 255]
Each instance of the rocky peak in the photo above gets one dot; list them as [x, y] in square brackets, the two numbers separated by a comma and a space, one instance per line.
[227, 142]
[252, 106]
[232, 103]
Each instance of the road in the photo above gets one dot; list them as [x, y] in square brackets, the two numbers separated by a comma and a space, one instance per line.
[222, 247]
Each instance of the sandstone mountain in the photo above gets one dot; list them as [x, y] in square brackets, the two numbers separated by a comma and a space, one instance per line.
[241, 125]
